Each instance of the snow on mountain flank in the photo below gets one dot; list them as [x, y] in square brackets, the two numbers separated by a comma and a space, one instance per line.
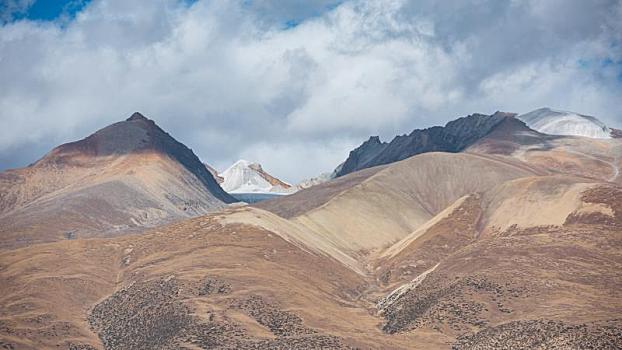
[248, 177]
[553, 122]
[323, 177]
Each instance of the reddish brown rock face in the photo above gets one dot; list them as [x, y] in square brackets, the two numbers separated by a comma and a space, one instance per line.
[271, 179]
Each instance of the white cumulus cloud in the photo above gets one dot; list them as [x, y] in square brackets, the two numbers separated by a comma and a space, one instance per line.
[297, 86]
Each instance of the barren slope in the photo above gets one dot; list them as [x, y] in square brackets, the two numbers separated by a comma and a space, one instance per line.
[531, 254]
[128, 175]
[196, 283]
[384, 207]
[594, 158]
[210, 282]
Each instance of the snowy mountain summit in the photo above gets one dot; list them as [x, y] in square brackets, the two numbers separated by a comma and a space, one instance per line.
[553, 122]
[248, 177]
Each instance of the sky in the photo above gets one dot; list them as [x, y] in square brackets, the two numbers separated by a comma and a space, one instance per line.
[295, 85]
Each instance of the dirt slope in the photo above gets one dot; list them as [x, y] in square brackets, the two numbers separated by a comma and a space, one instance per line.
[599, 159]
[491, 277]
[126, 176]
[211, 282]
[384, 207]
[196, 283]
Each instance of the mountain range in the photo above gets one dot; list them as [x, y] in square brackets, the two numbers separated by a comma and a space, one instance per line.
[461, 133]
[494, 231]
[453, 137]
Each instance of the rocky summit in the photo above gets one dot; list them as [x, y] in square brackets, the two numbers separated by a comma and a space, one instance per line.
[453, 137]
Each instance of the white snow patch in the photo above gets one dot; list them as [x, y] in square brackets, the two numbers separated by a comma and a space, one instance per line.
[554, 122]
[242, 178]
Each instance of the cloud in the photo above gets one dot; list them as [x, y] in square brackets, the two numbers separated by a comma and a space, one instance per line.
[235, 79]
[9, 9]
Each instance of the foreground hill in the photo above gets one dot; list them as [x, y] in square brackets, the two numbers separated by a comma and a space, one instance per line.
[195, 284]
[128, 175]
[548, 286]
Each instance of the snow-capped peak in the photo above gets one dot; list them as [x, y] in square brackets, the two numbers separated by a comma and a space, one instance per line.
[249, 177]
[554, 122]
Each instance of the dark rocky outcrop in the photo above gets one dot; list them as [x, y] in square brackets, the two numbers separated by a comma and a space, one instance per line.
[362, 155]
[453, 137]
[509, 135]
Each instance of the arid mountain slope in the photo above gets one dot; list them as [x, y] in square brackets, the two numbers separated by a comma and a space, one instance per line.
[517, 205]
[210, 282]
[557, 274]
[195, 284]
[533, 282]
[369, 210]
[128, 175]
[311, 198]
[600, 159]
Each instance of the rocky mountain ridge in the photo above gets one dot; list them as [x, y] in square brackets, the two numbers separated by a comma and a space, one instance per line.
[453, 137]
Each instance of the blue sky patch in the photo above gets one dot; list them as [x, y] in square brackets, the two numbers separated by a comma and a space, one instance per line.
[49, 10]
